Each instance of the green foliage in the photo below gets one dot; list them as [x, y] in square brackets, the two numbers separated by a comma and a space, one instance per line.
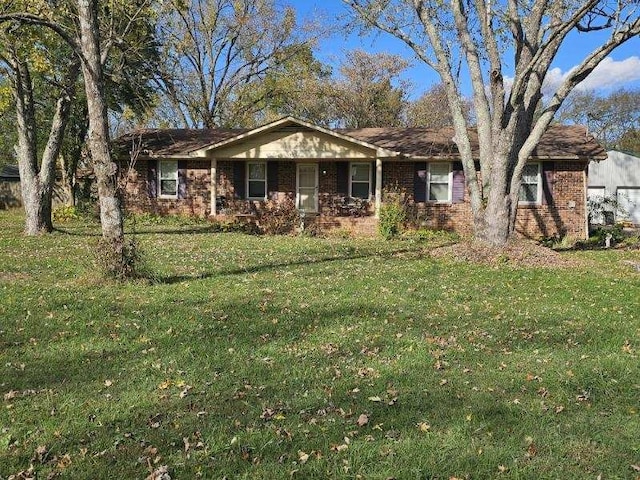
[393, 214]
[246, 354]
[65, 213]
[599, 235]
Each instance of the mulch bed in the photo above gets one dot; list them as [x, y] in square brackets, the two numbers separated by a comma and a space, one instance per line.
[521, 253]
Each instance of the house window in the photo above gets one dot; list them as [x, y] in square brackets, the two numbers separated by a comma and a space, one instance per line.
[360, 180]
[168, 178]
[439, 182]
[531, 184]
[257, 180]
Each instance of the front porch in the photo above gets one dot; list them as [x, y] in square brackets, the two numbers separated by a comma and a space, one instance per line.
[323, 188]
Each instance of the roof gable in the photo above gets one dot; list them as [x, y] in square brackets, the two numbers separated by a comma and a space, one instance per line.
[292, 138]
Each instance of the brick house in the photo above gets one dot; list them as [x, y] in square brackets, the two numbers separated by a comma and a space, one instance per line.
[337, 177]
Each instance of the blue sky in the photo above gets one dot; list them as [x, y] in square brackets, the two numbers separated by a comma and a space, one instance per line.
[621, 69]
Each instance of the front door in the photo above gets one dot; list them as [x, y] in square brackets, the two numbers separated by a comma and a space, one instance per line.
[307, 197]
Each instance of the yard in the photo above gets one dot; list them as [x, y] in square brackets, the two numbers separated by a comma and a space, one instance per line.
[280, 357]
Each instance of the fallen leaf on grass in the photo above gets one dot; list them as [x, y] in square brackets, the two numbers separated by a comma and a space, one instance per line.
[362, 420]
[424, 427]
[303, 457]
[160, 473]
[41, 453]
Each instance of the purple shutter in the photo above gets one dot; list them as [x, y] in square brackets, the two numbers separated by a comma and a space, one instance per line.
[548, 179]
[152, 178]
[272, 180]
[239, 169]
[457, 187]
[420, 182]
[182, 179]
[342, 178]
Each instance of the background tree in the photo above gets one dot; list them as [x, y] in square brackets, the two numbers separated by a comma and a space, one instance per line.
[608, 117]
[369, 91]
[484, 38]
[630, 141]
[216, 54]
[431, 109]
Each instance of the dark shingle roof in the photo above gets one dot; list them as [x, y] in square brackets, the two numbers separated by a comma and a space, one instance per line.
[176, 141]
[560, 141]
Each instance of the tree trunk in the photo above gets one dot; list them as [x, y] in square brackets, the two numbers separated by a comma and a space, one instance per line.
[34, 195]
[105, 169]
[496, 228]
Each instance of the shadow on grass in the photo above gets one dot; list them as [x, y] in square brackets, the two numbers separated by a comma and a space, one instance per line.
[144, 231]
[172, 279]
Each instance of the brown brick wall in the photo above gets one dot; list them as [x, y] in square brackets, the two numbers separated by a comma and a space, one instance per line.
[566, 216]
[197, 203]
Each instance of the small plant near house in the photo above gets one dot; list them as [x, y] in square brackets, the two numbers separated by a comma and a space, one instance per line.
[278, 217]
[393, 213]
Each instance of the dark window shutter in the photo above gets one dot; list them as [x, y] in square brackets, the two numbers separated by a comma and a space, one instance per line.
[548, 178]
[272, 179]
[152, 178]
[239, 179]
[342, 178]
[182, 179]
[420, 182]
[457, 187]
[372, 190]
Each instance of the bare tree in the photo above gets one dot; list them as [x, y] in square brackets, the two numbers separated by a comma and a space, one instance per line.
[369, 91]
[486, 37]
[431, 109]
[608, 117]
[211, 52]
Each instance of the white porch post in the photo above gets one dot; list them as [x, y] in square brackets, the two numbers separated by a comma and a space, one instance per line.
[214, 187]
[378, 203]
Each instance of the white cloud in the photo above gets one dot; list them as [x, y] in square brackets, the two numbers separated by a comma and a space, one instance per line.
[608, 74]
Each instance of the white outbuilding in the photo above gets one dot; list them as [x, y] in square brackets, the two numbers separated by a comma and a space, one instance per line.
[617, 178]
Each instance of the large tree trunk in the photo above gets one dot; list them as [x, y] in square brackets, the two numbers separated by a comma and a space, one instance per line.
[105, 169]
[34, 193]
[37, 182]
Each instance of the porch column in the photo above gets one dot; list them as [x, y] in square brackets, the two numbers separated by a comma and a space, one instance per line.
[378, 203]
[214, 187]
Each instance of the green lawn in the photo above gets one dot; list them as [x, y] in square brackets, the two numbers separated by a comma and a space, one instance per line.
[276, 357]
